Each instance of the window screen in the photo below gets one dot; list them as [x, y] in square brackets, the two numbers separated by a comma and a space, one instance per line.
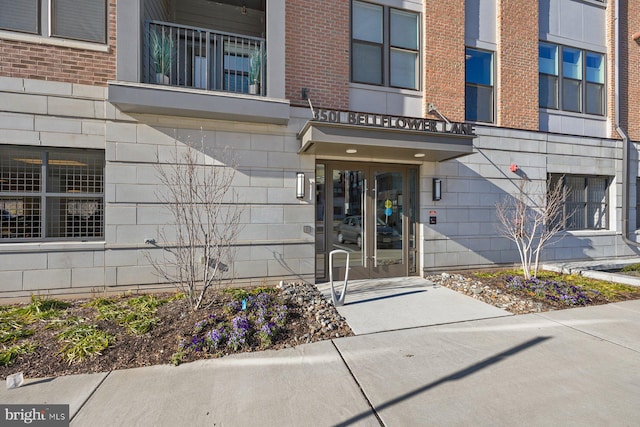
[79, 20]
[51, 193]
[20, 15]
[586, 206]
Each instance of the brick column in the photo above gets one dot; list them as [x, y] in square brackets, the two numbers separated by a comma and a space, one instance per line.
[516, 79]
[317, 52]
[443, 59]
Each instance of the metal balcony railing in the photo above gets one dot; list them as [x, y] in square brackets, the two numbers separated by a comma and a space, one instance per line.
[184, 56]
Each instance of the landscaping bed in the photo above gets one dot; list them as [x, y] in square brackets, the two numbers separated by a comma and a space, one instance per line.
[508, 290]
[50, 337]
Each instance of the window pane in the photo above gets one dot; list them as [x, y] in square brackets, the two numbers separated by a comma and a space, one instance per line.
[75, 172]
[595, 99]
[367, 63]
[479, 67]
[79, 20]
[404, 69]
[367, 22]
[575, 186]
[20, 170]
[577, 221]
[571, 99]
[597, 203]
[70, 217]
[548, 59]
[479, 103]
[236, 67]
[548, 91]
[20, 217]
[595, 67]
[19, 15]
[404, 29]
[572, 63]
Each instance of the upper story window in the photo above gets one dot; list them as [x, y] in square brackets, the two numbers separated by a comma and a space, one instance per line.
[52, 194]
[571, 79]
[479, 85]
[84, 20]
[385, 46]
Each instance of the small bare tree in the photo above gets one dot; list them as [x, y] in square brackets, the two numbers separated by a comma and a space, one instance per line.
[206, 221]
[531, 220]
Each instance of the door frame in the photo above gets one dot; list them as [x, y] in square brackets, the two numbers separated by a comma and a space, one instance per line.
[409, 219]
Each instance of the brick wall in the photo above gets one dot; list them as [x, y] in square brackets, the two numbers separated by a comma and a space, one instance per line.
[62, 64]
[317, 52]
[444, 64]
[517, 66]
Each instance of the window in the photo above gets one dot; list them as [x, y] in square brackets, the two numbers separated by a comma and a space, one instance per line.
[637, 203]
[385, 46]
[586, 206]
[479, 86]
[83, 20]
[576, 83]
[22, 16]
[594, 95]
[51, 194]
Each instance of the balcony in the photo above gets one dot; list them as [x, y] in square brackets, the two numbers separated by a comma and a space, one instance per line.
[197, 58]
[200, 71]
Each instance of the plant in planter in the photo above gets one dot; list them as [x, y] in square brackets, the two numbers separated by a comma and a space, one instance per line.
[255, 70]
[161, 52]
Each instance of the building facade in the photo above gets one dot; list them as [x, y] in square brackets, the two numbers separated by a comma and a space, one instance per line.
[387, 130]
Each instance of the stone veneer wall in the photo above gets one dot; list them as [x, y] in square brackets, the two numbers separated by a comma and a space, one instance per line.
[466, 233]
[271, 246]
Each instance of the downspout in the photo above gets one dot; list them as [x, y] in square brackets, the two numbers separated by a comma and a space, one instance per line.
[625, 137]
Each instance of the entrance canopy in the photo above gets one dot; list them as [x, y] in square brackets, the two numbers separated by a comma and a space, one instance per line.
[341, 133]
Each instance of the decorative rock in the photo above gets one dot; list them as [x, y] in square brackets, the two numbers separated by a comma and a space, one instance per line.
[478, 290]
[316, 309]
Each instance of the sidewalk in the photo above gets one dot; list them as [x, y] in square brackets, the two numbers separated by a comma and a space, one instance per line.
[571, 367]
[405, 302]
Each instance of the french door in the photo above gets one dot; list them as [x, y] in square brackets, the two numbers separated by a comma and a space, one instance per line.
[368, 210]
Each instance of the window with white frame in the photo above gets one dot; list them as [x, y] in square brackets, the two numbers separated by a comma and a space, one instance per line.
[479, 85]
[385, 46]
[586, 206]
[51, 194]
[571, 79]
[84, 20]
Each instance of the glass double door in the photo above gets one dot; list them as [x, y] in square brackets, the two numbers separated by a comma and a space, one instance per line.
[369, 213]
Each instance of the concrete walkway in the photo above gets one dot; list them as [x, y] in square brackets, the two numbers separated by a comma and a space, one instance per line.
[571, 367]
[405, 302]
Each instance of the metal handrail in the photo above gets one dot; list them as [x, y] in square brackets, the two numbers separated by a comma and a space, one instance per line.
[199, 58]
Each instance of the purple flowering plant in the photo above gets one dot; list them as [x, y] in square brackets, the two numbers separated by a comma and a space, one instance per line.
[215, 338]
[255, 319]
[551, 290]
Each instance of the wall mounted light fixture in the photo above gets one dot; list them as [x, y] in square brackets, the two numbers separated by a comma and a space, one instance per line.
[437, 189]
[300, 185]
